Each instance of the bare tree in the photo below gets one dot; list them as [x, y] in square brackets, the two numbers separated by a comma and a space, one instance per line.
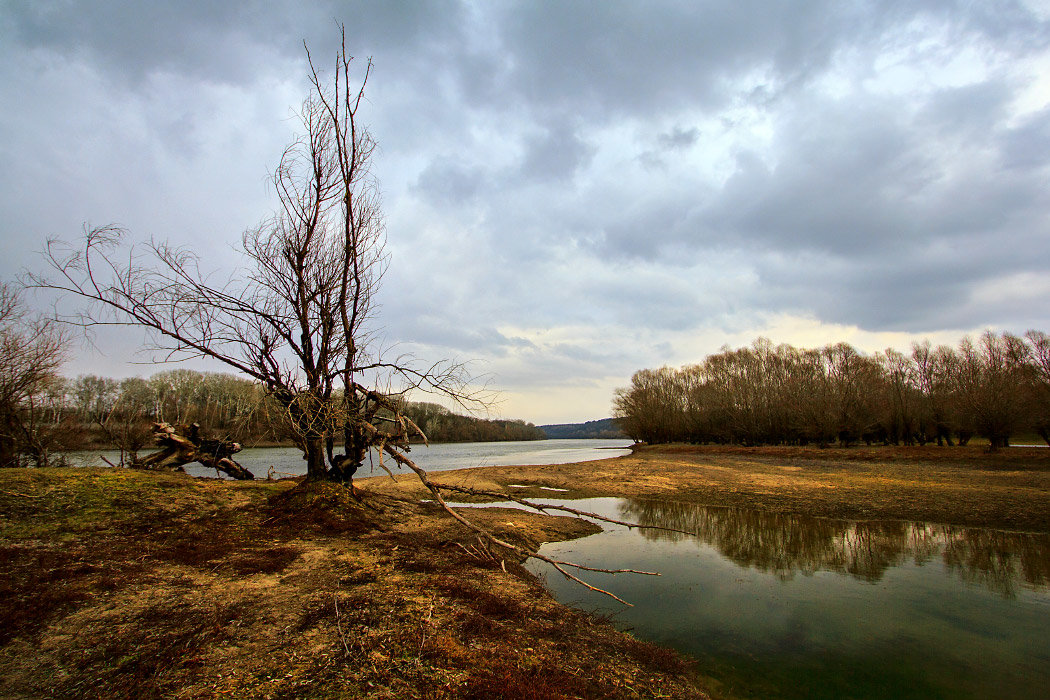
[31, 351]
[126, 424]
[296, 318]
[1039, 382]
[899, 396]
[990, 385]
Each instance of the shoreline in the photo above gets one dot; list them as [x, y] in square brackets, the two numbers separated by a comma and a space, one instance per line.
[235, 588]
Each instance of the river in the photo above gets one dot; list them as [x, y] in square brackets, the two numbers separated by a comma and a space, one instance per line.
[782, 606]
[288, 461]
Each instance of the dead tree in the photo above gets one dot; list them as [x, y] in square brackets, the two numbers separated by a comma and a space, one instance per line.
[296, 318]
[182, 445]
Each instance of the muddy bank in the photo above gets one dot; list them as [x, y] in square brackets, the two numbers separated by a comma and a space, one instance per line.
[1009, 489]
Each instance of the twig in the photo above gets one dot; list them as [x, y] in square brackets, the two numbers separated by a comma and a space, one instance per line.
[544, 507]
[103, 458]
[339, 625]
[424, 625]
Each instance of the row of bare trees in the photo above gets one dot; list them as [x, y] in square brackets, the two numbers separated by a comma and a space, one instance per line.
[995, 387]
[52, 413]
[93, 411]
[443, 425]
[234, 408]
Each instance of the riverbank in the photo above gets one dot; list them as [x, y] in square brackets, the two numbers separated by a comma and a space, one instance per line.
[125, 584]
[1008, 489]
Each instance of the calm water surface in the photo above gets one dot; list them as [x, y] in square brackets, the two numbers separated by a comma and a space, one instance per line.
[779, 606]
[288, 461]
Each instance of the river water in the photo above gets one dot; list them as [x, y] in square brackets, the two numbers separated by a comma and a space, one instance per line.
[779, 606]
[288, 461]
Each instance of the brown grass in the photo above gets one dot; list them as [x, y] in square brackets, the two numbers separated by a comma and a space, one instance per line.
[122, 584]
[132, 585]
[1008, 489]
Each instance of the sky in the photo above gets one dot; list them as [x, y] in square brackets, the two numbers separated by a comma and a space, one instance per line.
[573, 191]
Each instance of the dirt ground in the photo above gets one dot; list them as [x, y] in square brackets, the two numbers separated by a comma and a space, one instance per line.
[1009, 489]
[123, 584]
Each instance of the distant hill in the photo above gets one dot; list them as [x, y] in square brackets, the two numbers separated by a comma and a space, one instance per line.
[604, 428]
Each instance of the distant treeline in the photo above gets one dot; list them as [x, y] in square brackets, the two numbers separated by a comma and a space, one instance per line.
[442, 425]
[995, 387]
[91, 411]
[603, 428]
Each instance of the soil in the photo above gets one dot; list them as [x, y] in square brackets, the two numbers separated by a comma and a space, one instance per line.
[127, 584]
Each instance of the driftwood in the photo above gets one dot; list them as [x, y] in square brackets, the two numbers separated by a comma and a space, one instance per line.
[183, 444]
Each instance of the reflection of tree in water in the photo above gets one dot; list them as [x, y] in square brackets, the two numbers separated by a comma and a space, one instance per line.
[788, 544]
[998, 560]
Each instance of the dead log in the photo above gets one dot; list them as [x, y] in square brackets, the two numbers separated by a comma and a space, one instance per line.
[181, 445]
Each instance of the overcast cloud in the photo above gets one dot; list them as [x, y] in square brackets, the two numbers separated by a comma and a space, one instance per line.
[573, 191]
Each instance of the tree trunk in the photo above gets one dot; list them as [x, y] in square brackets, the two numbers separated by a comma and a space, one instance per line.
[8, 452]
[313, 453]
[9, 447]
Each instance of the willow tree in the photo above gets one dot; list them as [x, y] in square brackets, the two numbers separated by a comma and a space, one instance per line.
[296, 316]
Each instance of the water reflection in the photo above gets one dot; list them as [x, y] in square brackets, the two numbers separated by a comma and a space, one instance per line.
[786, 545]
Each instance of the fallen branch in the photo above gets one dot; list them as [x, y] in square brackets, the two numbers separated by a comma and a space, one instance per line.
[273, 472]
[544, 507]
[423, 629]
[487, 536]
[339, 625]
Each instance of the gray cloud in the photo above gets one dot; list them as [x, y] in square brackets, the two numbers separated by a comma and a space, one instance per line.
[447, 180]
[572, 189]
[556, 154]
[678, 137]
[230, 42]
[1024, 147]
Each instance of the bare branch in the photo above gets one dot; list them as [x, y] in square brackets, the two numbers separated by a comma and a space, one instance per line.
[490, 538]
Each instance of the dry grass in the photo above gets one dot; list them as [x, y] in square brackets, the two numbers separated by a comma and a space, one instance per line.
[132, 585]
[1009, 489]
